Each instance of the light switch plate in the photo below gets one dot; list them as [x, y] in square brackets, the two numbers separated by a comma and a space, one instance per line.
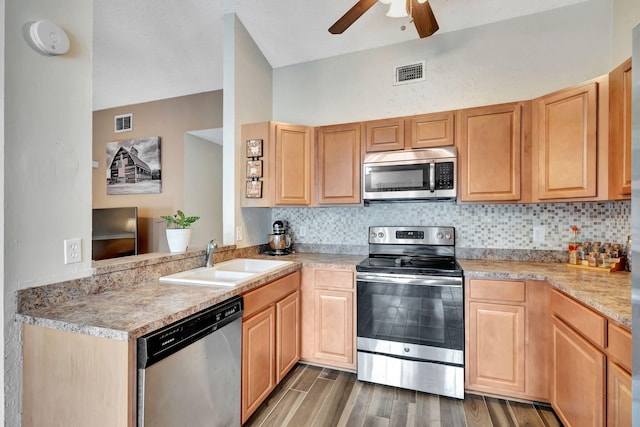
[538, 234]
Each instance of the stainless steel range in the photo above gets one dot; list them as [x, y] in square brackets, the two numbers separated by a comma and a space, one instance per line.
[410, 308]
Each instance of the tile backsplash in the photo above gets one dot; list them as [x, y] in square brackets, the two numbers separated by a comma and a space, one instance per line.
[487, 226]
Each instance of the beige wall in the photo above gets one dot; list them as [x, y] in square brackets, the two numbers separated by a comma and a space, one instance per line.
[169, 119]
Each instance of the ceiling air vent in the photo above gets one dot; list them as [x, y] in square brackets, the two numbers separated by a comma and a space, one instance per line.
[123, 123]
[410, 73]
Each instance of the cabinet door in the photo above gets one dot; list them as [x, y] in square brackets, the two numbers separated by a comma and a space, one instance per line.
[293, 165]
[339, 164]
[497, 346]
[334, 327]
[384, 135]
[577, 378]
[287, 334]
[619, 399]
[490, 144]
[258, 360]
[620, 132]
[432, 130]
[566, 143]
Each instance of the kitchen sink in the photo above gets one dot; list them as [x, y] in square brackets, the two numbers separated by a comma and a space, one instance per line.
[229, 273]
[251, 265]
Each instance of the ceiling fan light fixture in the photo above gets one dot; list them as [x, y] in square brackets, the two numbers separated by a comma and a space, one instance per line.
[422, 1]
[385, 1]
[397, 9]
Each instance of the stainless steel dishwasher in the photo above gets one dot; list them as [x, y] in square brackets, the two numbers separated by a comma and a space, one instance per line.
[189, 371]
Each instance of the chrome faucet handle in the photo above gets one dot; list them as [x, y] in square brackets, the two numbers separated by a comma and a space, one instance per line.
[211, 246]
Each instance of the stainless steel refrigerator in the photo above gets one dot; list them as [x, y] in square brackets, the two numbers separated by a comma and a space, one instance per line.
[635, 222]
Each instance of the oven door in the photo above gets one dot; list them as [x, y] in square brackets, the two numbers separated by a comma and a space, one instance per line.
[417, 317]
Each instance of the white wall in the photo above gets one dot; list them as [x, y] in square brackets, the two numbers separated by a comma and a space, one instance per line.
[511, 60]
[626, 15]
[47, 164]
[203, 188]
[247, 99]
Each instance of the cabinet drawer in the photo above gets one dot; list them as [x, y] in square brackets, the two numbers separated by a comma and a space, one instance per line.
[587, 322]
[269, 294]
[620, 345]
[503, 290]
[342, 279]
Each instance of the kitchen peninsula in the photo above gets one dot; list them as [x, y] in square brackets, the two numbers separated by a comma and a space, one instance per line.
[116, 316]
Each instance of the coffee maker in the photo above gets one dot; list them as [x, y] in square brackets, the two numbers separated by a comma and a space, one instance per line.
[279, 240]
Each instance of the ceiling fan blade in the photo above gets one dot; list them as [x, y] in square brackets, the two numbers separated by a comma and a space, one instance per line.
[424, 19]
[351, 16]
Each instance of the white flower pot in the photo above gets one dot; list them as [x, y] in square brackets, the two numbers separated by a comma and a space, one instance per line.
[178, 239]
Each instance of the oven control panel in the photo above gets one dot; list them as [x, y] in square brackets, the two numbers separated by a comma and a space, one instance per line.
[420, 235]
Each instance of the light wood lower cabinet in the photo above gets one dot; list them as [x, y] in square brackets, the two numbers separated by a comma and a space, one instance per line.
[328, 317]
[270, 339]
[506, 338]
[71, 379]
[578, 378]
[258, 360]
[619, 397]
[497, 336]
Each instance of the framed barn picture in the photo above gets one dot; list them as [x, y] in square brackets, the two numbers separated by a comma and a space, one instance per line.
[133, 166]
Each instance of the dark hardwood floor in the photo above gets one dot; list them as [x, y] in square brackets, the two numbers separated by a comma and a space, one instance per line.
[313, 396]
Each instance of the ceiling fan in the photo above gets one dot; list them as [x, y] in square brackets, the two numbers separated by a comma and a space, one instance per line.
[419, 11]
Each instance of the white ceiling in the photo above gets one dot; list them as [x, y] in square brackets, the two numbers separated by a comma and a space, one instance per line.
[154, 49]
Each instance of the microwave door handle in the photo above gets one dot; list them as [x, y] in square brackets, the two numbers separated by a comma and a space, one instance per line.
[432, 177]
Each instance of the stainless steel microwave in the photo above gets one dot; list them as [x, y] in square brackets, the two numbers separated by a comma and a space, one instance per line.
[423, 174]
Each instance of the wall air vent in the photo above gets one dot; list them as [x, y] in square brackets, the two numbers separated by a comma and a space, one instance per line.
[123, 123]
[410, 73]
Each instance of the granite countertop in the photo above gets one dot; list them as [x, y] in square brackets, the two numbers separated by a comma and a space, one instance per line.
[131, 311]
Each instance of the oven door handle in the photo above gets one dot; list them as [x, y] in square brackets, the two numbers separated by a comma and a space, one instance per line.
[408, 279]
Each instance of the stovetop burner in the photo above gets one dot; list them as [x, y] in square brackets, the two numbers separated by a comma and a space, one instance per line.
[411, 250]
[409, 265]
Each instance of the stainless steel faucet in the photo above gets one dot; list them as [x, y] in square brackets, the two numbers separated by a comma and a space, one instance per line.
[211, 247]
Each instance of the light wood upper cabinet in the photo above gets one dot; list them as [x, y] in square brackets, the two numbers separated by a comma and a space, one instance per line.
[338, 156]
[432, 130]
[489, 153]
[293, 160]
[287, 164]
[620, 132]
[565, 146]
[384, 135]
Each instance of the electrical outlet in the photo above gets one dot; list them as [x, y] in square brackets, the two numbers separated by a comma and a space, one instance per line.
[238, 233]
[302, 231]
[72, 251]
[538, 234]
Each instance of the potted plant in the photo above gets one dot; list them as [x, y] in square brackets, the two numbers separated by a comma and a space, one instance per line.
[178, 230]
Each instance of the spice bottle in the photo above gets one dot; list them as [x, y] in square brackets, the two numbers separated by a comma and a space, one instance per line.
[593, 262]
[628, 263]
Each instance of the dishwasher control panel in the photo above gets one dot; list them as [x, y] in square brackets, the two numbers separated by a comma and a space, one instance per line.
[175, 336]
